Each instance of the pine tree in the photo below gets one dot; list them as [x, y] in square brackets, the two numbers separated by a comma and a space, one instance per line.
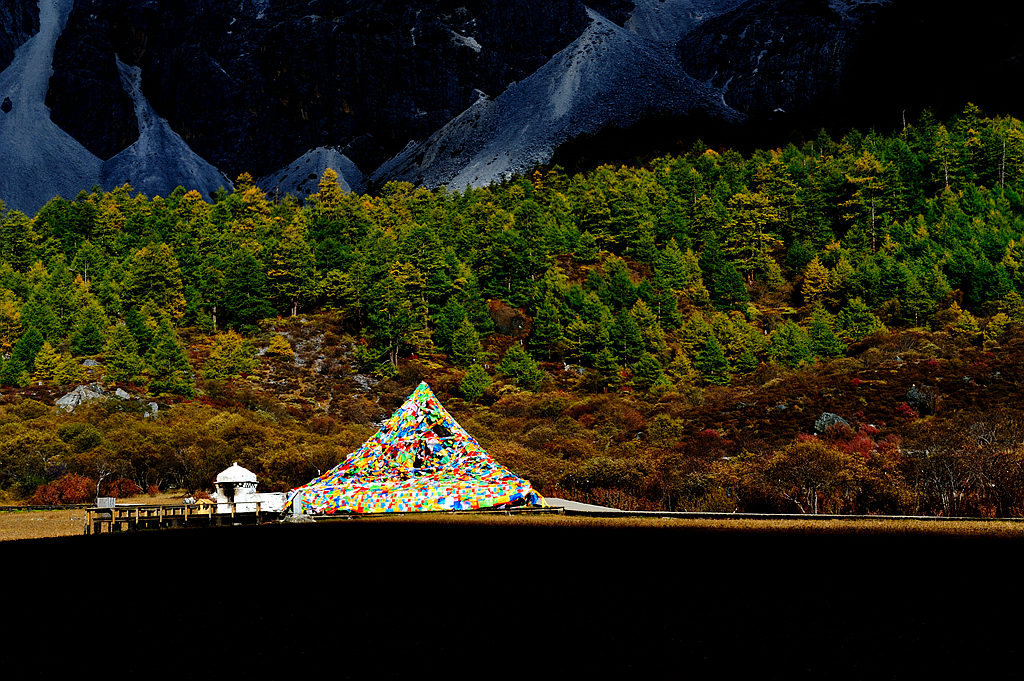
[14, 374]
[279, 347]
[465, 346]
[521, 369]
[230, 357]
[626, 338]
[816, 280]
[153, 273]
[475, 383]
[245, 289]
[824, 342]
[87, 336]
[648, 373]
[711, 363]
[724, 283]
[587, 249]
[857, 321]
[606, 367]
[68, 371]
[10, 320]
[449, 319]
[547, 335]
[26, 349]
[292, 272]
[141, 327]
[47, 362]
[121, 356]
[650, 329]
[38, 314]
[167, 364]
[790, 345]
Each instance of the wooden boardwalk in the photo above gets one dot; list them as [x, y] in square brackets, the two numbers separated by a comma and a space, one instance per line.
[132, 518]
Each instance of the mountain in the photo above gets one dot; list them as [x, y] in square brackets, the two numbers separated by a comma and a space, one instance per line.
[194, 92]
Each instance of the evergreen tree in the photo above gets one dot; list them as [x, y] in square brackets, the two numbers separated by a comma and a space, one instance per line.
[230, 357]
[521, 369]
[626, 338]
[648, 373]
[153, 274]
[465, 346]
[475, 383]
[816, 282]
[292, 272]
[606, 368]
[724, 283]
[68, 371]
[38, 314]
[87, 336]
[10, 320]
[587, 249]
[547, 335]
[122, 356]
[14, 374]
[790, 345]
[26, 349]
[857, 321]
[711, 363]
[449, 319]
[245, 289]
[822, 337]
[167, 364]
[47, 362]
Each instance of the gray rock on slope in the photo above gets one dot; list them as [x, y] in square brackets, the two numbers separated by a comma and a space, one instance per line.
[607, 76]
[159, 160]
[827, 420]
[301, 177]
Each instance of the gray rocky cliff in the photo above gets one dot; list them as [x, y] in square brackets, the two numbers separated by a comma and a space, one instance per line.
[251, 85]
[19, 21]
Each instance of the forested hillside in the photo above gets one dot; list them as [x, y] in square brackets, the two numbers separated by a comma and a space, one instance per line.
[664, 335]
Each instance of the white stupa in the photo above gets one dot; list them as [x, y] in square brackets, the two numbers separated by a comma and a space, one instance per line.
[236, 492]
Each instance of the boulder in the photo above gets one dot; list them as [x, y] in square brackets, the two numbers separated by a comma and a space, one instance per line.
[924, 399]
[827, 420]
[80, 395]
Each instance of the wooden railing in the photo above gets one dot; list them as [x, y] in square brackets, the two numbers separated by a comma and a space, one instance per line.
[130, 518]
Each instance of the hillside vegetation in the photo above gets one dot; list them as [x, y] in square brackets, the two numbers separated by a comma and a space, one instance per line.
[832, 326]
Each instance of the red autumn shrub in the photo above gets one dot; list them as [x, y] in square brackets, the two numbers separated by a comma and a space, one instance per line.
[904, 410]
[67, 489]
[122, 488]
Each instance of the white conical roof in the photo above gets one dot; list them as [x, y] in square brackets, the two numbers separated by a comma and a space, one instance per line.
[236, 474]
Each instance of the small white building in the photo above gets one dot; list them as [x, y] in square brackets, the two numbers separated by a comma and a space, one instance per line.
[236, 493]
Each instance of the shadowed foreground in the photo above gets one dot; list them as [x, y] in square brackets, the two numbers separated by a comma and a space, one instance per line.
[410, 599]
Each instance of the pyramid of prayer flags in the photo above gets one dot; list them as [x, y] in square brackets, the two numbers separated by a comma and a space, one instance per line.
[421, 459]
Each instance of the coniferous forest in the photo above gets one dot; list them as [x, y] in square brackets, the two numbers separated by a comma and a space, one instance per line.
[833, 326]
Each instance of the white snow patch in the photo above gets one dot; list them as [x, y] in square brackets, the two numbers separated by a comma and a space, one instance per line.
[301, 177]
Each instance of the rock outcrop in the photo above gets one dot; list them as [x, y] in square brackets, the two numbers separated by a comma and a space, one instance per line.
[19, 21]
[165, 92]
[253, 85]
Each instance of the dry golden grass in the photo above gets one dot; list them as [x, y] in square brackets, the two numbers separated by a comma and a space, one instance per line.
[39, 524]
[864, 526]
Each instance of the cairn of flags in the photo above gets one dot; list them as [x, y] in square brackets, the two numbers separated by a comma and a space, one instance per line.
[421, 459]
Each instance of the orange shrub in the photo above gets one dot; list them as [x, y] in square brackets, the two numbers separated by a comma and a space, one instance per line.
[67, 489]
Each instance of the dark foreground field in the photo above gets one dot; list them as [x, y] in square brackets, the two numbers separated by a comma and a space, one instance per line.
[485, 601]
